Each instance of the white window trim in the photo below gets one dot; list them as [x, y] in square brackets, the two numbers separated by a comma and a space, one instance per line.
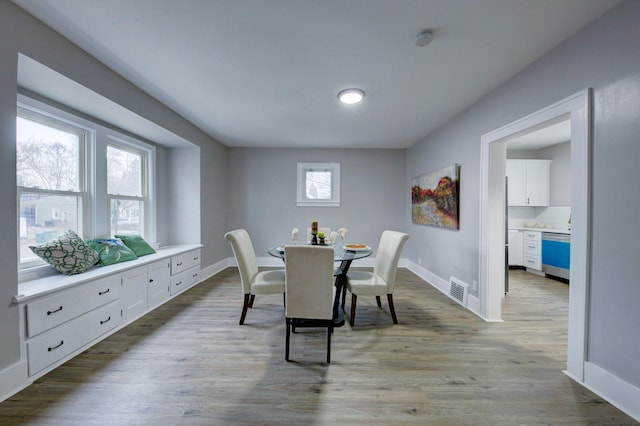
[148, 197]
[41, 112]
[302, 200]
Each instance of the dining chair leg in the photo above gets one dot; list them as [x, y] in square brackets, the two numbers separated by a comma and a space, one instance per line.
[344, 295]
[253, 297]
[352, 319]
[245, 305]
[286, 350]
[378, 301]
[391, 308]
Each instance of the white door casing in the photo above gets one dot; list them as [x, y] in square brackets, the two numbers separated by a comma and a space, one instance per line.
[492, 207]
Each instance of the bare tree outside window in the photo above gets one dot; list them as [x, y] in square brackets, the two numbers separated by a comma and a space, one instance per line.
[46, 158]
[318, 185]
[125, 188]
[124, 172]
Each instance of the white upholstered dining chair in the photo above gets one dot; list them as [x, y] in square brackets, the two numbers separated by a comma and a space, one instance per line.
[253, 281]
[309, 290]
[383, 278]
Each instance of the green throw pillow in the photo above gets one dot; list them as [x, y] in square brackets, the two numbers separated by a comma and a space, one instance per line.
[137, 244]
[112, 250]
[68, 253]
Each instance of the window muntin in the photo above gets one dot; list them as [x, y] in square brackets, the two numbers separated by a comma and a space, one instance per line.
[50, 174]
[318, 184]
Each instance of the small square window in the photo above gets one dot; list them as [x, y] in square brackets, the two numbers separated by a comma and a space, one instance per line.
[318, 184]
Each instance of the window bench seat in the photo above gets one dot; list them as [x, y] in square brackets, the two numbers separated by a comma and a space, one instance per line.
[61, 316]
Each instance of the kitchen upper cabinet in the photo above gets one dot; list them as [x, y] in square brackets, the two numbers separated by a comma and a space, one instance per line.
[528, 182]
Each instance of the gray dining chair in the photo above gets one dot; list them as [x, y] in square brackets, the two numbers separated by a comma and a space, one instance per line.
[383, 278]
[309, 290]
[253, 281]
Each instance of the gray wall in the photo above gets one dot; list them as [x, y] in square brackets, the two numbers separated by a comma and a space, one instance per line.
[262, 194]
[9, 349]
[560, 173]
[606, 57]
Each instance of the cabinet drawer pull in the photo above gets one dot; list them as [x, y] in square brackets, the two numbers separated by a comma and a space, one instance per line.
[51, 348]
[178, 283]
[195, 275]
[150, 280]
[196, 258]
[54, 311]
[107, 320]
[100, 293]
[179, 264]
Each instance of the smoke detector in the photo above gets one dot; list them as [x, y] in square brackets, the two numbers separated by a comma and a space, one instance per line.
[424, 37]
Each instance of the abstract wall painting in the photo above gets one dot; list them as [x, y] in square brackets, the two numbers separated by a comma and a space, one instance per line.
[435, 198]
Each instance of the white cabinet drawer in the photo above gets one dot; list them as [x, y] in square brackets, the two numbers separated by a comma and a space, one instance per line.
[56, 344]
[185, 279]
[54, 310]
[532, 262]
[532, 236]
[185, 261]
[532, 247]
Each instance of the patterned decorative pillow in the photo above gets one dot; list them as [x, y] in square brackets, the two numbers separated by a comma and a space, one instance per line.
[68, 253]
[137, 244]
[112, 250]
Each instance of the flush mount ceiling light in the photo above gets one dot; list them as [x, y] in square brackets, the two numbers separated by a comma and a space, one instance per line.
[351, 96]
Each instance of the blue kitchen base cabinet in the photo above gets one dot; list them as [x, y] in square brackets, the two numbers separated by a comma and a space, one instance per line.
[556, 255]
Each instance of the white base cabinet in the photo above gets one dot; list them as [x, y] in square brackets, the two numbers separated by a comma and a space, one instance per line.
[159, 281]
[63, 315]
[532, 249]
[133, 293]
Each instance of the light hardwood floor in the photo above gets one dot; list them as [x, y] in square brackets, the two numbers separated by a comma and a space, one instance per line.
[189, 362]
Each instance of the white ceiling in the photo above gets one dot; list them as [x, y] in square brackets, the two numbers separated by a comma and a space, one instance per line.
[265, 73]
[542, 136]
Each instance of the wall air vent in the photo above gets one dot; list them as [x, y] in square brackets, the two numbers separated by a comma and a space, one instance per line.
[458, 291]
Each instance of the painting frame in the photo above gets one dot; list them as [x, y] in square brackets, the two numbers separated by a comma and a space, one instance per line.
[435, 198]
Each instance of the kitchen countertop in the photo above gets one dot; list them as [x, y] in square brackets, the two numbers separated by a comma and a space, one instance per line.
[552, 230]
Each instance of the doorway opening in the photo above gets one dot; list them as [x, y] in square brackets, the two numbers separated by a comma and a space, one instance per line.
[493, 205]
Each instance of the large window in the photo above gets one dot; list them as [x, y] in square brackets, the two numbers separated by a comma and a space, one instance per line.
[50, 177]
[75, 174]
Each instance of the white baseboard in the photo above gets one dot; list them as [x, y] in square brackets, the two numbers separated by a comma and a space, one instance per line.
[431, 278]
[610, 387]
[211, 270]
[473, 303]
[13, 379]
